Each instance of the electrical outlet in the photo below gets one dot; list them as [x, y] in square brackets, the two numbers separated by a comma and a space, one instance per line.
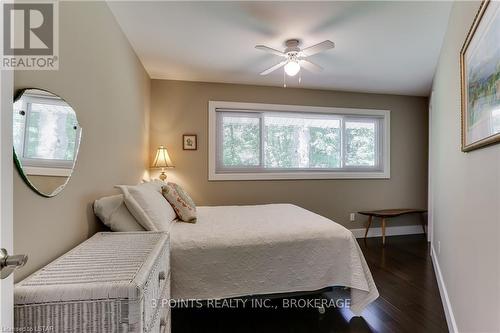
[439, 247]
[352, 217]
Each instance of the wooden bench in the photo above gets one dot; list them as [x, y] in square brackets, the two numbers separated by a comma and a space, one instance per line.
[385, 214]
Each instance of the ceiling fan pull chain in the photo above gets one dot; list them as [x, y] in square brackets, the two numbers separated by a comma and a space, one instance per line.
[284, 79]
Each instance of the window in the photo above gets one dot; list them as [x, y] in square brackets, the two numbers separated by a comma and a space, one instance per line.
[45, 135]
[261, 141]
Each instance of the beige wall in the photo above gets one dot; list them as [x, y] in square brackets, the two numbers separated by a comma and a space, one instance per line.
[47, 184]
[465, 194]
[102, 79]
[179, 107]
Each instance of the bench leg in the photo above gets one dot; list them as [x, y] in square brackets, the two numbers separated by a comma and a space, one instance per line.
[423, 222]
[383, 231]
[368, 225]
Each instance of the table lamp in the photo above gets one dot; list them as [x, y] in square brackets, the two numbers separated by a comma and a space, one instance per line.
[162, 160]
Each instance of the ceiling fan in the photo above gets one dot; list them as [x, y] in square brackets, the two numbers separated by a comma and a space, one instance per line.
[295, 58]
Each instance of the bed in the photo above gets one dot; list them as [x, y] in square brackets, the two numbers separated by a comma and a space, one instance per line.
[246, 251]
[234, 251]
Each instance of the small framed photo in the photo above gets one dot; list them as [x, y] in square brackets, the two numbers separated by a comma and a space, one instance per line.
[189, 142]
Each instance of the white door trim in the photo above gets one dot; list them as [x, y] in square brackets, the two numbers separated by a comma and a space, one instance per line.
[6, 195]
[430, 196]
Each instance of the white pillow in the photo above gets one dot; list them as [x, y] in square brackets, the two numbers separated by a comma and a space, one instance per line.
[146, 203]
[114, 214]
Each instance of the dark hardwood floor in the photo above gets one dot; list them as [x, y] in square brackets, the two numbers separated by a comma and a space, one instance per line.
[409, 300]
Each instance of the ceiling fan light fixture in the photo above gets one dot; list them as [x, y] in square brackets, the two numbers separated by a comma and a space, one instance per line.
[292, 68]
[294, 57]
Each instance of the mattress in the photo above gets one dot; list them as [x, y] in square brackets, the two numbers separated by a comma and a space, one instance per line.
[234, 251]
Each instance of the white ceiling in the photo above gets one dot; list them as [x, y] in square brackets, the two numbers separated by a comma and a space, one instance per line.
[383, 46]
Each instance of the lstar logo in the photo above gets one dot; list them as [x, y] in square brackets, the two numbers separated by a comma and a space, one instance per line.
[30, 39]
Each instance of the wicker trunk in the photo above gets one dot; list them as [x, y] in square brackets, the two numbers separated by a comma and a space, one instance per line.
[113, 282]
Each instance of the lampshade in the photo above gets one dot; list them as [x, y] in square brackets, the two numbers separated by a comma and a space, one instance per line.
[162, 159]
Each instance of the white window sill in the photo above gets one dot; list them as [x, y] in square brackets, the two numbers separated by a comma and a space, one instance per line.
[41, 171]
[299, 175]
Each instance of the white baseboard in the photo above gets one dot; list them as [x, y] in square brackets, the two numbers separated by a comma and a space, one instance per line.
[448, 311]
[389, 231]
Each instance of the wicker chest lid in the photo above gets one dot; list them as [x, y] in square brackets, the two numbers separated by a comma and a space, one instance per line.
[107, 265]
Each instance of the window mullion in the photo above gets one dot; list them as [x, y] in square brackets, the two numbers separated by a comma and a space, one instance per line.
[307, 135]
[378, 144]
[343, 143]
[219, 132]
[23, 128]
[262, 138]
[26, 125]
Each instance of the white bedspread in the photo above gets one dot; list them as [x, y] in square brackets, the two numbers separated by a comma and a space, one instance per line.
[236, 251]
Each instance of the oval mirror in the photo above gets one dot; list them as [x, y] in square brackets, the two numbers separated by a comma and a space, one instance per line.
[46, 140]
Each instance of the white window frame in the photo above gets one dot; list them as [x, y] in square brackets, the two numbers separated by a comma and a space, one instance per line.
[41, 166]
[352, 173]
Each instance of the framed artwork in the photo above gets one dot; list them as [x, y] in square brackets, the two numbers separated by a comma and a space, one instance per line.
[189, 142]
[480, 79]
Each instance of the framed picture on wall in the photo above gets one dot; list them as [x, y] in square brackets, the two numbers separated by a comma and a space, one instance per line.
[189, 142]
[480, 79]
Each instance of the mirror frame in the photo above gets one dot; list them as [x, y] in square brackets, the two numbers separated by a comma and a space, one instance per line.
[19, 93]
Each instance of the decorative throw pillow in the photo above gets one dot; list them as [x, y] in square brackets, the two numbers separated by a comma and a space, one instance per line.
[180, 201]
[146, 203]
[115, 215]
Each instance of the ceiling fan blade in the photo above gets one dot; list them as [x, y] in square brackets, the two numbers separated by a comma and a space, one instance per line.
[270, 50]
[323, 46]
[275, 67]
[310, 66]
